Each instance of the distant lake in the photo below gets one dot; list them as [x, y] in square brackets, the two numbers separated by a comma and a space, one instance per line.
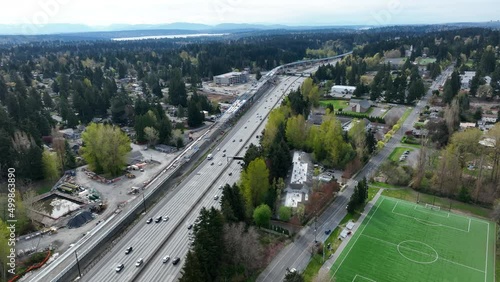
[168, 36]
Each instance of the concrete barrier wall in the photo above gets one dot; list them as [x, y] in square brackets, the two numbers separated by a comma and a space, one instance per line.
[90, 258]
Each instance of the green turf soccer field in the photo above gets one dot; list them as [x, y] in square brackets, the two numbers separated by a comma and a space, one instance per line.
[401, 241]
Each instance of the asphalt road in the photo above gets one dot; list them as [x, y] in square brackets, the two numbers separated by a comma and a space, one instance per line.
[153, 241]
[298, 253]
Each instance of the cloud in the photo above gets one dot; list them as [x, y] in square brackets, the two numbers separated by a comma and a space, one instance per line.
[105, 12]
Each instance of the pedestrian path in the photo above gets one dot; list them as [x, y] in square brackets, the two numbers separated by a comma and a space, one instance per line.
[329, 263]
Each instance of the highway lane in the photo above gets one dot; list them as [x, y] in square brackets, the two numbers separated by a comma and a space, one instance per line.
[146, 238]
[180, 241]
[298, 253]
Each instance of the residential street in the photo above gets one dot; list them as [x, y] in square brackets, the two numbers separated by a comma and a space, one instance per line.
[298, 253]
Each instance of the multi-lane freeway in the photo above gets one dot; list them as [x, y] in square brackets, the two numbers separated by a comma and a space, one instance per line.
[153, 241]
[181, 204]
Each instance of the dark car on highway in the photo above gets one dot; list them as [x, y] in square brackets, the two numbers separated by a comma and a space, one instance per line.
[176, 260]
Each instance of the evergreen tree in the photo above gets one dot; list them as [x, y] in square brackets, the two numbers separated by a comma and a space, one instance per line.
[177, 94]
[47, 100]
[371, 142]
[209, 242]
[195, 114]
[233, 204]
[455, 83]
[253, 152]
[192, 271]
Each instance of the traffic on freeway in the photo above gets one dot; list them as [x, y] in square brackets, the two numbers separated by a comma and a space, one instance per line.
[154, 241]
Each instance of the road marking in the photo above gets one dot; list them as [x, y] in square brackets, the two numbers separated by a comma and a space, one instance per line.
[359, 235]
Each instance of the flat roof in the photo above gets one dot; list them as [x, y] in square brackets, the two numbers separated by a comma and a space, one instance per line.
[229, 74]
[293, 199]
[299, 172]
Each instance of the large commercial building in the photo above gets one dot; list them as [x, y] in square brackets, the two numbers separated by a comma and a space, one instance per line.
[231, 78]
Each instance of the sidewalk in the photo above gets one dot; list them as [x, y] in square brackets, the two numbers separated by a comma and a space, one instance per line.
[329, 263]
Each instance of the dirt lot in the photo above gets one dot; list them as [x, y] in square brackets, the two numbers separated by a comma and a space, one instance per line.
[114, 194]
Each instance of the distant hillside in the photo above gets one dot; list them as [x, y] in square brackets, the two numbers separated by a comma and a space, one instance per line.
[73, 32]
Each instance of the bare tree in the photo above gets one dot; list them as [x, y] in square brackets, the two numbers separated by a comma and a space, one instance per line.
[421, 164]
[243, 246]
[152, 135]
[59, 145]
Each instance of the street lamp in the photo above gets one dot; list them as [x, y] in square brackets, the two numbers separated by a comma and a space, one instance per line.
[78, 265]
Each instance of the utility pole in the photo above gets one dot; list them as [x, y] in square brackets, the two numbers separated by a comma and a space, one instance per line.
[144, 202]
[315, 229]
[78, 265]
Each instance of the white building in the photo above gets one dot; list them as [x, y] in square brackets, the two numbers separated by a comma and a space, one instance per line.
[231, 78]
[342, 89]
[299, 171]
[466, 78]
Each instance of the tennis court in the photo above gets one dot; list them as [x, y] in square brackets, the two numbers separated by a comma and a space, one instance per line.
[402, 241]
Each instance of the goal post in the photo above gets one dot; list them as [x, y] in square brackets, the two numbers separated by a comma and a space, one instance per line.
[432, 207]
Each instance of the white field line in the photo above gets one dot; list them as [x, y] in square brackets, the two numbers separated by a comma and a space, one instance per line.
[428, 221]
[439, 257]
[487, 243]
[433, 213]
[359, 235]
[366, 278]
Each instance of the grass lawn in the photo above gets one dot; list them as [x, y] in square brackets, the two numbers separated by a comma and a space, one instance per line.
[337, 104]
[43, 186]
[412, 145]
[397, 152]
[372, 191]
[406, 114]
[43, 190]
[317, 260]
[403, 241]
[426, 61]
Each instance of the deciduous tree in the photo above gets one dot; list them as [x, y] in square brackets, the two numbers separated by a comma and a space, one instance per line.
[105, 148]
[50, 165]
[262, 215]
[255, 183]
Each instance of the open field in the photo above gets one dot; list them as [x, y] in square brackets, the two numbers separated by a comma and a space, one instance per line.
[403, 241]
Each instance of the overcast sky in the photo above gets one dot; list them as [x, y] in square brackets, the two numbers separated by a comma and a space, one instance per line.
[290, 12]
